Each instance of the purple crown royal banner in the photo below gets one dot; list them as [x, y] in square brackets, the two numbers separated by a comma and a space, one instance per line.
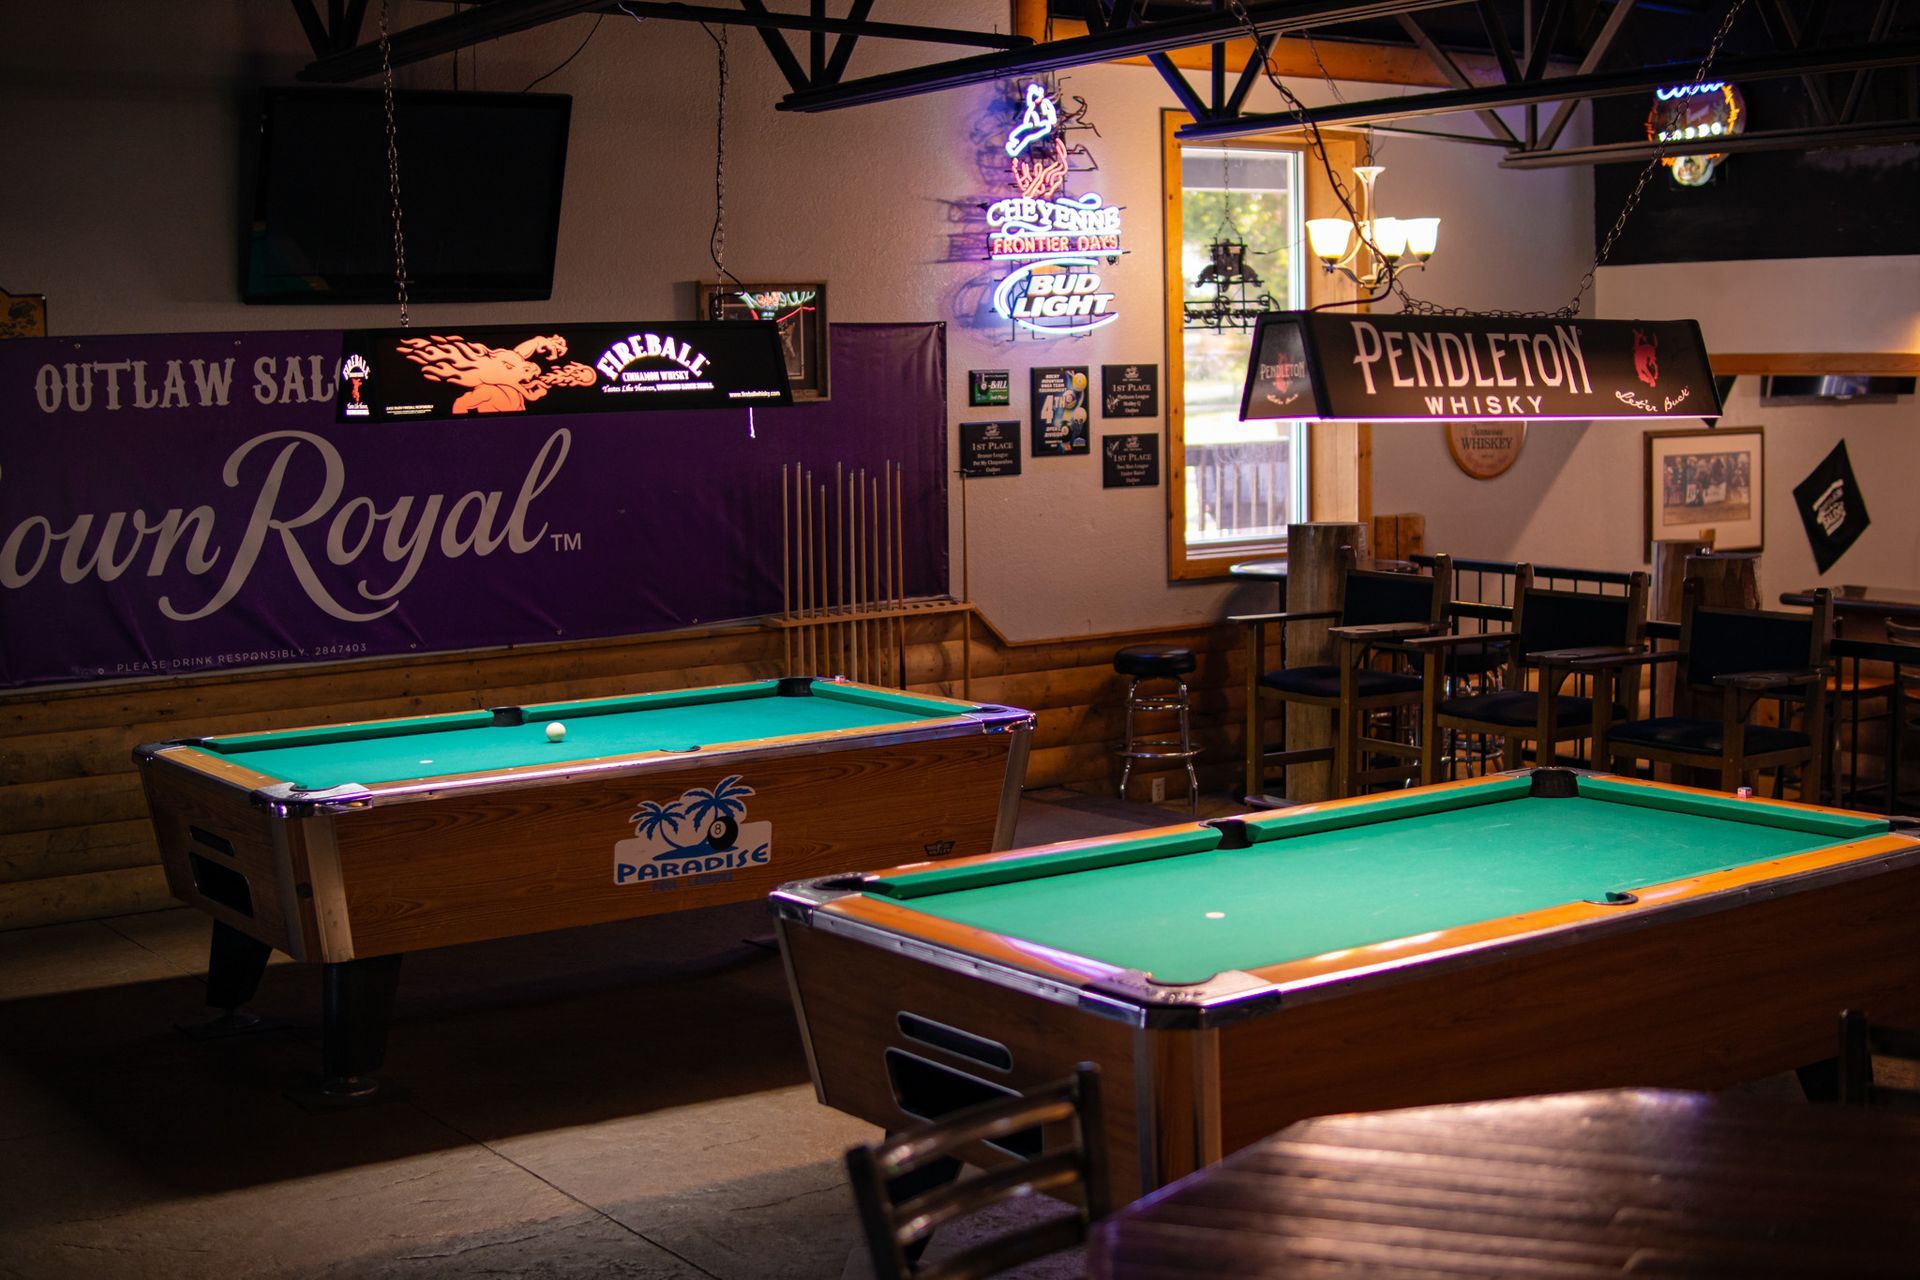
[179, 503]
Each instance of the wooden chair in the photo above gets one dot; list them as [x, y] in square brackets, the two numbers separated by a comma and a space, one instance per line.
[899, 1212]
[1376, 609]
[1906, 685]
[1551, 631]
[1737, 657]
[1860, 1043]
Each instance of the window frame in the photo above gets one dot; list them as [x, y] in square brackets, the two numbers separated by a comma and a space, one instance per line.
[1338, 450]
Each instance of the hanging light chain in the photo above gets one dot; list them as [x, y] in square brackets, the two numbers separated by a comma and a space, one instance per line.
[393, 170]
[1646, 174]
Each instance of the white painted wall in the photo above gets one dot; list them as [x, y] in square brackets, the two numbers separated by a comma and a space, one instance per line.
[125, 130]
[1575, 495]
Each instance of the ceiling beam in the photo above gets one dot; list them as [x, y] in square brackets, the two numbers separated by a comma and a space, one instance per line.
[1099, 46]
[1596, 54]
[1455, 76]
[1810, 139]
[506, 17]
[1605, 84]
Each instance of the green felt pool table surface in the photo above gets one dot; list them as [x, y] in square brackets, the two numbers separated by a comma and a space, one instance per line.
[472, 742]
[1182, 908]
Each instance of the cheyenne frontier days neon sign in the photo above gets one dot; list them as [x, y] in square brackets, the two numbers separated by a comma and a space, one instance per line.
[1058, 240]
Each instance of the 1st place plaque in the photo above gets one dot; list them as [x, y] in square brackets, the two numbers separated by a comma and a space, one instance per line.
[989, 449]
[1130, 461]
[1130, 390]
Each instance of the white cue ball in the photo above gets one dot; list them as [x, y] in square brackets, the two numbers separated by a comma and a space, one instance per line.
[556, 732]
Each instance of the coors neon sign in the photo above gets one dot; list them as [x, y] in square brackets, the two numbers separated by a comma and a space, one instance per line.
[1058, 243]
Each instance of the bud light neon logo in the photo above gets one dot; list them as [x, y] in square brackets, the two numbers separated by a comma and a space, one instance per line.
[1055, 297]
[1058, 239]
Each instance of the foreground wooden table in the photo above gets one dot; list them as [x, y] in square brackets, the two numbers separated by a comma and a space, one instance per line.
[1642, 1182]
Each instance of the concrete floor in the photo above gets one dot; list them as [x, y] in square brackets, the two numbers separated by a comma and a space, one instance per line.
[625, 1100]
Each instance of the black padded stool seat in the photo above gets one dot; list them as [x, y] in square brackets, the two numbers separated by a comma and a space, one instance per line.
[1324, 681]
[1705, 737]
[1154, 661]
[1518, 707]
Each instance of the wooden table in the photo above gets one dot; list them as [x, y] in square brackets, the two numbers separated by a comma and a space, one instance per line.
[1855, 603]
[1630, 1181]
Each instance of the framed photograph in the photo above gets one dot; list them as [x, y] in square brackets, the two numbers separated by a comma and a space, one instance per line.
[1712, 479]
[801, 312]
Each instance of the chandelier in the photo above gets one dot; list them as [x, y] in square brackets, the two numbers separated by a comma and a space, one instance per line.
[1364, 253]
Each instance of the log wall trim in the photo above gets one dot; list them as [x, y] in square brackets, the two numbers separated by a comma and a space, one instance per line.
[75, 842]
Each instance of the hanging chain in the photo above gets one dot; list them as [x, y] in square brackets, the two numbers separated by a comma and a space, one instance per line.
[717, 242]
[1646, 174]
[393, 170]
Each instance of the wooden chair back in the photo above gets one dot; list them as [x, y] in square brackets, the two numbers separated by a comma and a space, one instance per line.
[1546, 619]
[1372, 596]
[1861, 1042]
[1059, 1123]
[1721, 642]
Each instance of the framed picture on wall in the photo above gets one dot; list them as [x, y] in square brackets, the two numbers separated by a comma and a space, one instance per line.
[801, 312]
[1706, 479]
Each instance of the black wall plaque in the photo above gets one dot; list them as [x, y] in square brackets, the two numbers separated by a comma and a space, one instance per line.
[1130, 461]
[1060, 411]
[1400, 368]
[1130, 390]
[989, 387]
[1831, 508]
[448, 371]
[989, 449]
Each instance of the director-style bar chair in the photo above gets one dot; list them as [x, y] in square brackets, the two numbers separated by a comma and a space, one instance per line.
[1376, 609]
[1552, 630]
[1736, 658]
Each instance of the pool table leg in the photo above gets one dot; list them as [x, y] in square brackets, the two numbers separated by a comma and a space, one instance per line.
[1820, 1081]
[235, 963]
[356, 1009]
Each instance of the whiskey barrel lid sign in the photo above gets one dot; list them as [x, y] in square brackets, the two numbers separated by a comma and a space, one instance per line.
[1318, 366]
[1485, 449]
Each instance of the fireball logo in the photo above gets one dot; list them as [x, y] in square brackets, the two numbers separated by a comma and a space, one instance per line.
[1646, 358]
[498, 379]
[356, 370]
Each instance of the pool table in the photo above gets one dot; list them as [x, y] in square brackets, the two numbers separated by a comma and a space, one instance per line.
[352, 844]
[1534, 931]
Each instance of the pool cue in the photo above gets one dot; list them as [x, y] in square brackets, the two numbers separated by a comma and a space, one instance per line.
[806, 572]
[900, 561]
[786, 592]
[873, 559]
[858, 487]
[826, 585]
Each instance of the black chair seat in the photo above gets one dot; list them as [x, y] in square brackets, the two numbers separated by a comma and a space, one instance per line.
[1517, 708]
[1154, 661]
[1704, 737]
[1324, 682]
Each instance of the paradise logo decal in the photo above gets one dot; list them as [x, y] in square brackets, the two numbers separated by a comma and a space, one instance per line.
[700, 833]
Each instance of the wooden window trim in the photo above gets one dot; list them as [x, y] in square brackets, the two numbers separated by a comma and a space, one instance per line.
[1339, 470]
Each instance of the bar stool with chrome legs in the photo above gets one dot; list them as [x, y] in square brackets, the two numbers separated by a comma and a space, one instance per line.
[1143, 662]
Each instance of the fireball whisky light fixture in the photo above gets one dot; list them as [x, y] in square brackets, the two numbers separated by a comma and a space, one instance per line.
[1364, 253]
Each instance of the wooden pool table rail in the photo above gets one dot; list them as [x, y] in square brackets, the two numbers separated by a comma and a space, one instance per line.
[839, 904]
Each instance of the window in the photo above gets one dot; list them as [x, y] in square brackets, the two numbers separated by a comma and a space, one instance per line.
[1233, 487]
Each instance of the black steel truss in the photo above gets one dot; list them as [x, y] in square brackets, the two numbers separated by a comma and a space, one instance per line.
[1835, 77]
[339, 62]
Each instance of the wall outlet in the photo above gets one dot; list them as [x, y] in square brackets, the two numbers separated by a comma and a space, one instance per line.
[1159, 790]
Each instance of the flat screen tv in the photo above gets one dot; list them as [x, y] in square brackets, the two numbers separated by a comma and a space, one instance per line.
[480, 183]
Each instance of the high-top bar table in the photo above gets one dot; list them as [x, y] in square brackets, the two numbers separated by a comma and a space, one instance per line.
[1630, 1181]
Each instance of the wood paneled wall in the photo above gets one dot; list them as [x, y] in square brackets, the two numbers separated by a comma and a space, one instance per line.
[75, 843]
